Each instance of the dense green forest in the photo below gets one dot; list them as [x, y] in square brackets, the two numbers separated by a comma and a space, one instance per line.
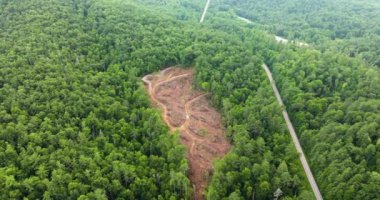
[332, 99]
[334, 102]
[264, 158]
[349, 26]
[76, 123]
[335, 105]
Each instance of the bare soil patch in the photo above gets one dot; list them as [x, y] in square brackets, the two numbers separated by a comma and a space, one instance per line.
[189, 111]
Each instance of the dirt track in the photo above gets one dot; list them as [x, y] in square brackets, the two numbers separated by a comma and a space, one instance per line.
[189, 111]
[205, 11]
[293, 134]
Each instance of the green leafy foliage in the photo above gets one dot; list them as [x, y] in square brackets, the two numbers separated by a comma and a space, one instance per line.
[334, 104]
[263, 158]
[349, 26]
[75, 122]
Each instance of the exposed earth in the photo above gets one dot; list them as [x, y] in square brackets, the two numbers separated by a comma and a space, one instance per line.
[189, 111]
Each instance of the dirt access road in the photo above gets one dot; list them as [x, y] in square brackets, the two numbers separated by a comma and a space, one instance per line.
[293, 134]
[205, 11]
[289, 124]
[189, 111]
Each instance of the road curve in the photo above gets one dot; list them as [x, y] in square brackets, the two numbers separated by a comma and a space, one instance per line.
[293, 134]
[205, 11]
[153, 89]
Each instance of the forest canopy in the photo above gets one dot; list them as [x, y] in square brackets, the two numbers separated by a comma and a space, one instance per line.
[348, 26]
[76, 122]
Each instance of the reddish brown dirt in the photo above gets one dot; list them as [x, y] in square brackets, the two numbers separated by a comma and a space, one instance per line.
[189, 111]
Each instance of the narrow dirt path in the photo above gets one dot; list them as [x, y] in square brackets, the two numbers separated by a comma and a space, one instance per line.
[184, 125]
[188, 111]
[165, 114]
[205, 11]
[153, 89]
[150, 89]
[293, 134]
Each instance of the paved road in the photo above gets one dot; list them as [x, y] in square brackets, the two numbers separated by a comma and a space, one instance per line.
[293, 134]
[205, 11]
